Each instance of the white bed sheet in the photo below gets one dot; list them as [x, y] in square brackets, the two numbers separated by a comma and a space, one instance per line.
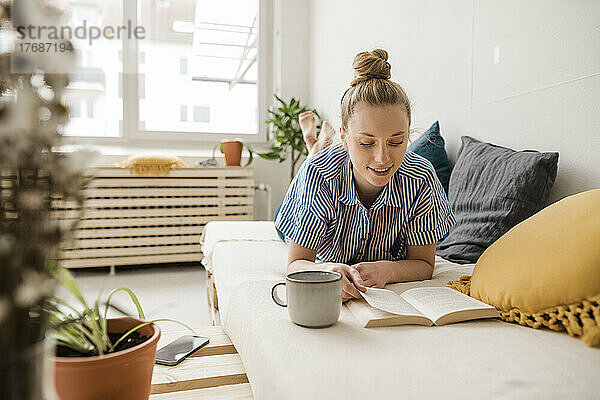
[216, 232]
[476, 359]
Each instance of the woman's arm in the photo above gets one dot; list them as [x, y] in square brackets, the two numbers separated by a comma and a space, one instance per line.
[303, 259]
[418, 266]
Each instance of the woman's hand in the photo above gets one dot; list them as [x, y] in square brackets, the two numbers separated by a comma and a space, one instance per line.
[375, 273]
[351, 280]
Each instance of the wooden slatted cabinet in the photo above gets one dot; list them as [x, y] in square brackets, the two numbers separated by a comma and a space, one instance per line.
[129, 219]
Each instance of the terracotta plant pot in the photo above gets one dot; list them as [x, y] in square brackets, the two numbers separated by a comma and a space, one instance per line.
[233, 153]
[124, 375]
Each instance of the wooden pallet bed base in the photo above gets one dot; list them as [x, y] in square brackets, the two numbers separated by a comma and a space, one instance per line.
[213, 372]
[213, 300]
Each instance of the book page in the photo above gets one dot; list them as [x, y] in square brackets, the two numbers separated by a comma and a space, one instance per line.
[436, 302]
[389, 301]
[371, 317]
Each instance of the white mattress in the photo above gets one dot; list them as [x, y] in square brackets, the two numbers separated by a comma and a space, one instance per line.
[478, 359]
[216, 232]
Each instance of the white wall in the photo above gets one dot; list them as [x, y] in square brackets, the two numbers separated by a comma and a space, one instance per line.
[543, 94]
[290, 75]
[294, 33]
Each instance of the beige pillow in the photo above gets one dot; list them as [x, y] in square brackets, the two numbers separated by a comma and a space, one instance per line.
[155, 165]
[545, 271]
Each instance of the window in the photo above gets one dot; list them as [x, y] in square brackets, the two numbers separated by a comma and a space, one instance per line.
[201, 114]
[89, 58]
[207, 54]
[97, 78]
[74, 107]
[89, 104]
[142, 86]
[193, 52]
[120, 83]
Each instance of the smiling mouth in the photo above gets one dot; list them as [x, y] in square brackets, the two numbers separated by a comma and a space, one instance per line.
[381, 171]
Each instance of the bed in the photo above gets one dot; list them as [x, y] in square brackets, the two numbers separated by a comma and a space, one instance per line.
[475, 359]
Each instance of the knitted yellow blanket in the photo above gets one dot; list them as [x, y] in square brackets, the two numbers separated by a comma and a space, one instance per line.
[578, 320]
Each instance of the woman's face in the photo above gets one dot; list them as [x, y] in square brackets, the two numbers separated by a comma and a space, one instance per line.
[376, 139]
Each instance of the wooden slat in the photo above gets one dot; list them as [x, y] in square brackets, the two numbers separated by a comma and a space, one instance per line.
[155, 212]
[241, 391]
[131, 260]
[155, 221]
[138, 231]
[219, 341]
[171, 192]
[154, 202]
[170, 182]
[180, 173]
[5, 183]
[134, 241]
[213, 300]
[198, 373]
[130, 251]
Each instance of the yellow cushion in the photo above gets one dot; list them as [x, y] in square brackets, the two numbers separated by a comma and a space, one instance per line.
[545, 271]
[549, 259]
[150, 164]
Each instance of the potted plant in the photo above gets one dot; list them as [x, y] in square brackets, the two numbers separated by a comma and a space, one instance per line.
[287, 134]
[288, 140]
[232, 149]
[96, 357]
[32, 175]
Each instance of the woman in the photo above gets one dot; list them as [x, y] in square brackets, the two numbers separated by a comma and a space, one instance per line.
[366, 208]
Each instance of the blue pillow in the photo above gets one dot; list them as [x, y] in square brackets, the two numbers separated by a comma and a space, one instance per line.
[431, 146]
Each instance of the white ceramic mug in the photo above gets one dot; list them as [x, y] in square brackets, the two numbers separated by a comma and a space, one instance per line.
[314, 298]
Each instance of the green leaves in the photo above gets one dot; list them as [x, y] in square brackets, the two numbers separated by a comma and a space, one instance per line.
[85, 331]
[135, 328]
[269, 156]
[65, 278]
[133, 297]
[287, 135]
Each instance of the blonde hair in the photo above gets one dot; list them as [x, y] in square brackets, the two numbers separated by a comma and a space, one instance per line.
[372, 85]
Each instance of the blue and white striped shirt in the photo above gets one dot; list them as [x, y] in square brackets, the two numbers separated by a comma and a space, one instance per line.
[321, 210]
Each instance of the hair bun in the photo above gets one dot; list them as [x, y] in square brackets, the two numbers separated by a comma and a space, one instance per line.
[371, 65]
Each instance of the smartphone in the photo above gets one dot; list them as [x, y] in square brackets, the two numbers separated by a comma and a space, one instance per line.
[176, 351]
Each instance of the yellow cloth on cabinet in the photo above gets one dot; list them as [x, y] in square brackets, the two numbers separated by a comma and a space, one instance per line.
[155, 165]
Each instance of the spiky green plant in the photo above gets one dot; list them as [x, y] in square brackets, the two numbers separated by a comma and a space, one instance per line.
[84, 330]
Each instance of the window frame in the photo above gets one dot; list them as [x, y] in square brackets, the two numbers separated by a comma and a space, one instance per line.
[132, 136]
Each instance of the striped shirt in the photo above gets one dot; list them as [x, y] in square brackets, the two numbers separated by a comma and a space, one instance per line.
[321, 210]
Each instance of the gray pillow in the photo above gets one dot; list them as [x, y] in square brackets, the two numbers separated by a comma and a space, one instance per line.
[493, 188]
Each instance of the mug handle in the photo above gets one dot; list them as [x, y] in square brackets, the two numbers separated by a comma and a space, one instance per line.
[275, 296]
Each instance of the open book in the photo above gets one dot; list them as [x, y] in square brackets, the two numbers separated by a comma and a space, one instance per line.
[419, 306]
